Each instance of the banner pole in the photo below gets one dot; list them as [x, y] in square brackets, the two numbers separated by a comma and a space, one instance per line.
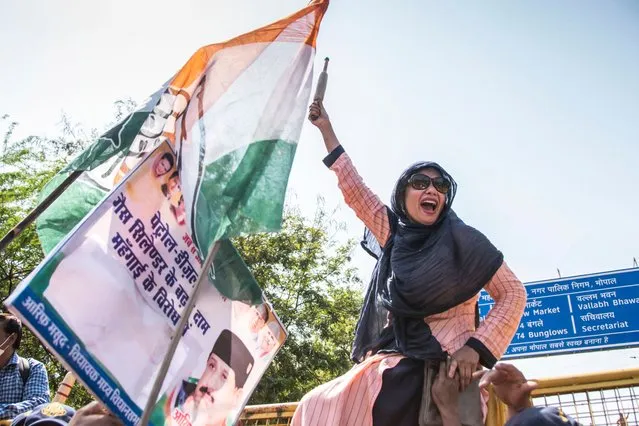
[37, 211]
[166, 363]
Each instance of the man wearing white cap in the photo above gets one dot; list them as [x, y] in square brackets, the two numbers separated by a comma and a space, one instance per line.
[218, 391]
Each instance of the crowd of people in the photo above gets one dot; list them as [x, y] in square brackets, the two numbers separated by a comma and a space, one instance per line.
[422, 357]
[24, 396]
[26, 399]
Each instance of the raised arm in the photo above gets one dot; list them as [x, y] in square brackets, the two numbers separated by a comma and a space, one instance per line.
[494, 334]
[366, 205]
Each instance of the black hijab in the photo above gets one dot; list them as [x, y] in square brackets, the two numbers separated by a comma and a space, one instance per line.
[422, 270]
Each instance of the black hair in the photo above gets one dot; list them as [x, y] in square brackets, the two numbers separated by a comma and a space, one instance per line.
[174, 175]
[263, 310]
[165, 190]
[169, 157]
[12, 325]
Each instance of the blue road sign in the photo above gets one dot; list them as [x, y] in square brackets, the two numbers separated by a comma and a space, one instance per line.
[576, 314]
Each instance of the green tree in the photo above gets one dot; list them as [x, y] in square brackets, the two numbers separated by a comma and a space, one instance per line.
[307, 276]
[26, 165]
[304, 270]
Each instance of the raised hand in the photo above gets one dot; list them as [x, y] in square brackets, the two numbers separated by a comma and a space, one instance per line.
[322, 121]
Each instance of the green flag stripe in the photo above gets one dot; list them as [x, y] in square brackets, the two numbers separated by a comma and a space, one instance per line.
[116, 140]
[242, 192]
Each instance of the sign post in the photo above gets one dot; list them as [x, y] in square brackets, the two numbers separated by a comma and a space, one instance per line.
[576, 314]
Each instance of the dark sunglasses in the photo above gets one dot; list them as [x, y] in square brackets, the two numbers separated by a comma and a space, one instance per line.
[421, 182]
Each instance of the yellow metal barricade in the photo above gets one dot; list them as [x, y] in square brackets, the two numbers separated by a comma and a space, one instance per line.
[269, 414]
[609, 398]
[601, 399]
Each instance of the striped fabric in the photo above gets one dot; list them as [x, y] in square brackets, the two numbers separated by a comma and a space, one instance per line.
[455, 326]
[348, 400]
[366, 205]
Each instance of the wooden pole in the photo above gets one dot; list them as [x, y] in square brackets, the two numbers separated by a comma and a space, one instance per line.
[320, 90]
[37, 211]
[64, 388]
[166, 363]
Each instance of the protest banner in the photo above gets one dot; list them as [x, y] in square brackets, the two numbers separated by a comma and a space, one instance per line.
[107, 299]
[234, 113]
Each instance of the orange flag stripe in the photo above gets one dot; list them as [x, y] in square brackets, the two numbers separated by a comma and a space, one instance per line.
[191, 71]
[185, 82]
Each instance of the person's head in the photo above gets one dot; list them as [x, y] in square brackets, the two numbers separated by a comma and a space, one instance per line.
[172, 187]
[268, 337]
[10, 333]
[219, 389]
[258, 315]
[424, 194]
[174, 182]
[49, 414]
[163, 164]
[541, 416]
[179, 211]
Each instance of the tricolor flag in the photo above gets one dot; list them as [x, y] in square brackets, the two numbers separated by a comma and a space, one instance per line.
[233, 115]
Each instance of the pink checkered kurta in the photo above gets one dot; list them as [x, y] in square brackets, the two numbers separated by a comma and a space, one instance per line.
[348, 400]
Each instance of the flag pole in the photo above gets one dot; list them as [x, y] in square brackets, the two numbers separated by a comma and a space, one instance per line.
[37, 211]
[166, 363]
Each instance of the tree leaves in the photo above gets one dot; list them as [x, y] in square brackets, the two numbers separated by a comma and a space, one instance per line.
[26, 165]
[304, 270]
[307, 276]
